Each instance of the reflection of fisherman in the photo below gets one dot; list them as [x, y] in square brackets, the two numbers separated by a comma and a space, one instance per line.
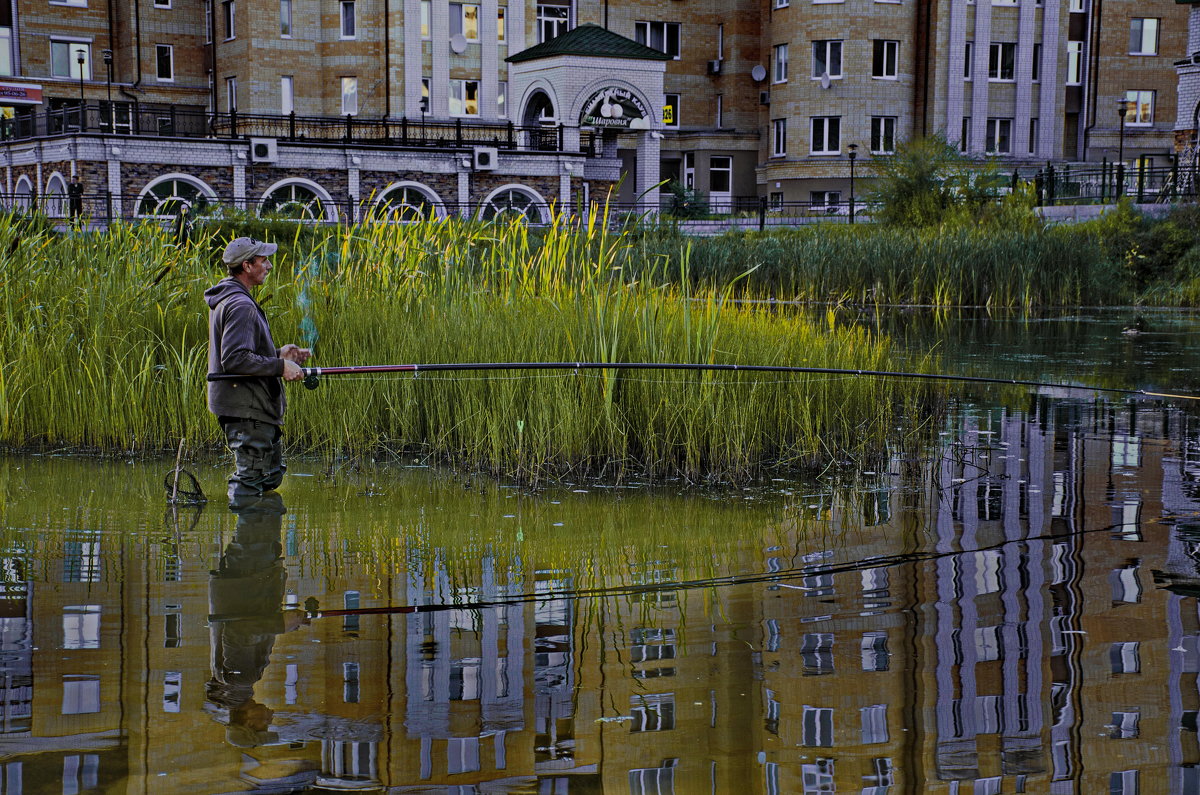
[245, 595]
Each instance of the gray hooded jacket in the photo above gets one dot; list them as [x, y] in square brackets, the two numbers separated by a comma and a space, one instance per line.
[239, 341]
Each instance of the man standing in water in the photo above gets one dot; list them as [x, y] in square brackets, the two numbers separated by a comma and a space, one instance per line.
[250, 409]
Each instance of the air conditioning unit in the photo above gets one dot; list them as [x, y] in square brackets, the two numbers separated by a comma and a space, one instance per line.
[486, 158]
[764, 97]
[264, 150]
[714, 67]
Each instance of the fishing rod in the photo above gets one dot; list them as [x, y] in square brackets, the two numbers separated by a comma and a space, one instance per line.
[313, 375]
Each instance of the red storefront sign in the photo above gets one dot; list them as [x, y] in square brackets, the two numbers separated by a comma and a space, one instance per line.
[20, 94]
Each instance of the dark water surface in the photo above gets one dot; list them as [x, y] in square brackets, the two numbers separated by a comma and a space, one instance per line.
[1014, 612]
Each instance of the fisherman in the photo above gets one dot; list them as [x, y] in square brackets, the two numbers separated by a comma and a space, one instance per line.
[249, 409]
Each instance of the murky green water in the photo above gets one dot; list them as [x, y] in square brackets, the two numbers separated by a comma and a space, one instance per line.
[1014, 612]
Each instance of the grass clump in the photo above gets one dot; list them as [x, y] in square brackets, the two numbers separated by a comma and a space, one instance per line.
[106, 339]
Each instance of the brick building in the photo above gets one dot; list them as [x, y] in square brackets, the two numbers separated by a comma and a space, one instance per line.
[333, 108]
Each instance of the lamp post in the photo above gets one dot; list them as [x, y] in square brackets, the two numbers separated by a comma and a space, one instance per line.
[81, 59]
[1122, 109]
[853, 153]
[108, 62]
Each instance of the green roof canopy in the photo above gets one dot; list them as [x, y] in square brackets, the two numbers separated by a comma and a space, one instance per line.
[594, 41]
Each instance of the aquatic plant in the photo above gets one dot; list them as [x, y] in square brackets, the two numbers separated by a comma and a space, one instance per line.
[105, 346]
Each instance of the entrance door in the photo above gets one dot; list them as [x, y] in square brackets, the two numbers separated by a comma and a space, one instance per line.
[720, 184]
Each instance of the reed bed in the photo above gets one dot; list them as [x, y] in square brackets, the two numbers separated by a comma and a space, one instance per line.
[105, 341]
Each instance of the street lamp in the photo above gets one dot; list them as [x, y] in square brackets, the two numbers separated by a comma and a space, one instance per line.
[108, 61]
[81, 59]
[853, 153]
[1122, 109]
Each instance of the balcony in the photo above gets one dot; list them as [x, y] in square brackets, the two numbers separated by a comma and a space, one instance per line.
[190, 121]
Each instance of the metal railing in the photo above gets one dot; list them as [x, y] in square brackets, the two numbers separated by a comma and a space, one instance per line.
[173, 121]
[1106, 183]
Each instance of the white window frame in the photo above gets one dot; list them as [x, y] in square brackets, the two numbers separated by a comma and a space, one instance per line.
[726, 167]
[781, 3]
[285, 19]
[426, 89]
[779, 63]
[349, 97]
[825, 126]
[667, 101]
[229, 18]
[73, 45]
[816, 727]
[1136, 98]
[343, 18]
[1075, 63]
[880, 132]
[992, 138]
[888, 44]
[996, 61]
[164, 4]
[502, 99]
[830, 46]
[231, 94]
[461, 99]
[426, 19]
[74, 3]
[1155, 42]
[287, 94]
[644, 30]
[824, 199]
[1075, 7]
[208, 22]
[458, 20]
[546, 23]
[158, 48]
[501, 24]
[720, 111]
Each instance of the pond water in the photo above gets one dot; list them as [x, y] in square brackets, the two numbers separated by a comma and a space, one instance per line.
[1013, 611]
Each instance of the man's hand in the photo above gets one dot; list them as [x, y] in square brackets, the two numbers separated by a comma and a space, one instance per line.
[292, 371]
[294, 353]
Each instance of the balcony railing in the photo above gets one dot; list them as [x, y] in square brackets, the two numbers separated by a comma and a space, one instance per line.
[173, 121]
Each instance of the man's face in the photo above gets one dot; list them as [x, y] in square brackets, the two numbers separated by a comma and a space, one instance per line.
[256, 270]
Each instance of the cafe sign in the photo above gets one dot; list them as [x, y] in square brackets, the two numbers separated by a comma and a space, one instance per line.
[20, 94]
[615, 108]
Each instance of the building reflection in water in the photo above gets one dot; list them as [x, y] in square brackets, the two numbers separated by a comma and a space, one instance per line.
[1018, 615]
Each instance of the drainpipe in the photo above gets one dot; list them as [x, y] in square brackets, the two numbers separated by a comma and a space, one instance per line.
[387, 59]
[137, 42]
[1094, 23]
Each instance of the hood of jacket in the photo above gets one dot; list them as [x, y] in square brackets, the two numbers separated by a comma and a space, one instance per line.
[223, 289]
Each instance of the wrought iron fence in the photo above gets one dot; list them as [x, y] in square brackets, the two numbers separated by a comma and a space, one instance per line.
[174, 121]
[1108, 182]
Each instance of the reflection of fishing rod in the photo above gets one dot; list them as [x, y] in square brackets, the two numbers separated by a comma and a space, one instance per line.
[313, 375]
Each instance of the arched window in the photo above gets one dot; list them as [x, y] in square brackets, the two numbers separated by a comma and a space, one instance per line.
[23, 193]
[513, 200]
[407, 202]
[166, 196]
[301, 200]
[55, 204]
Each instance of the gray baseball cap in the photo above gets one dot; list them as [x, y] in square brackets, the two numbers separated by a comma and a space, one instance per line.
[245, 248]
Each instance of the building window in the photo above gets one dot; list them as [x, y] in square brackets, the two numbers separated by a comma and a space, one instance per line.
[464, 97]
[720, 111]
[227, 14]
[501, 35]
[1124, 725]
[425, 94]
[1123, 782]
[350, 692]
[1037, 63]
[874, 724]
[1074, 63]
[659, 36]
[1002, 61]
[231, 94]
[64, 59]
[779, 138]
[348, 19]
[653, 712]
[462, 756]
[883, 135]
[426, 12]
[825, 199]
[968, 59]
[779, 63]
[172, 688]
[964, 137]
[81, 695]
[502, 99]
[552, 20]
[775, 202]
[1075, 6]
[81, 627]
[781, 3]
[164, 60]
[720, 42]
[464, 21]
[1143, 36]
[999, 137]
[1124, 658]
[162, 3]
[874, 648]
[826, 135]
[827, 58]
[287, 101]
[349, 96]
[285, 18]
[81, 773]
[1033, 135]
[817, 727]
[816, 653]
[720, 174]
[208, 21]
[884, 57]
[671, 110]
[1141, 108]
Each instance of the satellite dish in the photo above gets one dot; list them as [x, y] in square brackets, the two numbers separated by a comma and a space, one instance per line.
[759, 73]
[825, 81]
[458, 43]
